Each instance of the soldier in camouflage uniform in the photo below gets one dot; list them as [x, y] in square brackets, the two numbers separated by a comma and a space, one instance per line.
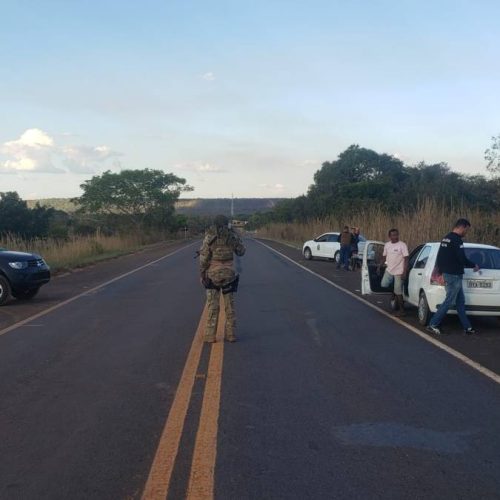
[217, 274]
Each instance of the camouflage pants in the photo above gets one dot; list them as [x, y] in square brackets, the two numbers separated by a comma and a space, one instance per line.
[213, 306]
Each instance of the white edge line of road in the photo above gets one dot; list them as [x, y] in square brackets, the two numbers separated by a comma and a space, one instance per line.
[87, 292]
[469, 362]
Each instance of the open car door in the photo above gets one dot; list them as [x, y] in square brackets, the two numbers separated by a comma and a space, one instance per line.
[372, 269]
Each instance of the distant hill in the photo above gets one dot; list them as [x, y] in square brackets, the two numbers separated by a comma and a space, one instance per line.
[213, 206]
[63, 204]
[194, 206]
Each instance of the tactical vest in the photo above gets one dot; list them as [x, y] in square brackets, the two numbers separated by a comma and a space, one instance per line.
[222, 247]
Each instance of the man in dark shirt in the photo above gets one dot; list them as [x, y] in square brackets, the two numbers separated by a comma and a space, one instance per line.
[451, 261]
[345, 240]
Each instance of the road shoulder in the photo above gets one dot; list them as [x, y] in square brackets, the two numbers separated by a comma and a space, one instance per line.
[66, 285]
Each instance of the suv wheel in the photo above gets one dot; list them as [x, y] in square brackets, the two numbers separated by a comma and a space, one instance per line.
[424, 313]
[4, 290]
[307, 253]
[336, 257]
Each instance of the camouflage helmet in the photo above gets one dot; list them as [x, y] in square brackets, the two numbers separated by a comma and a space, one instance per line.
[221, 221]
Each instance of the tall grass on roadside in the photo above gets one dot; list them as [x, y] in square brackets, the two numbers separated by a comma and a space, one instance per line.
[78, 250]
[429, 222]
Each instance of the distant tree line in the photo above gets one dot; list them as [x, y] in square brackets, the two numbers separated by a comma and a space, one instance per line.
[131, 200]
[361, 178]
[17, 218]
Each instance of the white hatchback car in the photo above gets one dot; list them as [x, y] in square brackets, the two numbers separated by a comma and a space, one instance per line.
[327, 246]
[424, 287]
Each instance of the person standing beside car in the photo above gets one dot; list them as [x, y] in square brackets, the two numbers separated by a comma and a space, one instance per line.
[345, 240]
[451, 261]
[354, 247]
[396, 261]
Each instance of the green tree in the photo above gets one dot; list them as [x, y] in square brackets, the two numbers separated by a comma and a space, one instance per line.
[17, 218]
[361, 179]
[357, 174]
[492, 156]
[146, 197]
[41, 219]
[14, 214]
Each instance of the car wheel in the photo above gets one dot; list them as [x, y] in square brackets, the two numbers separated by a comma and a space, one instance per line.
[25, 294]
[4, 290]
[308, 254]
[423, 311]
[336, 257]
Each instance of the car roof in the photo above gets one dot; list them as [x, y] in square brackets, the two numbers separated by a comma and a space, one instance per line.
[467, 244]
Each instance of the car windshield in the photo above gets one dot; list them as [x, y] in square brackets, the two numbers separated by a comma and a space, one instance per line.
[485, 258]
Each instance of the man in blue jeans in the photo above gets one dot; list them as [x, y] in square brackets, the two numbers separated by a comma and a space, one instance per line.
[345, 239]
[451, 261]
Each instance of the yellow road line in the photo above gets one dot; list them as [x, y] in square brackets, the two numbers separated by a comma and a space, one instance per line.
[88, 292]
[201, 481]
[163, 464]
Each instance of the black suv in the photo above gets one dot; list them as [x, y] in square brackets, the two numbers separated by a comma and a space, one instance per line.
[21, 275]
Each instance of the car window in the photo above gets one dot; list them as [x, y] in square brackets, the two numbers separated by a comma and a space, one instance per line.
[375, 253]
[485, 258]
[322, 238]
[423, 256]
[413, 256]
[333, 238]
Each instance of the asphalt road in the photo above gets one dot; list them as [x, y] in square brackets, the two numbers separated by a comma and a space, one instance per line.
[483, 348]
[322, 397]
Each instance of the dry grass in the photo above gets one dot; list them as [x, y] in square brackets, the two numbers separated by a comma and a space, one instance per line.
[79, 250]
[428, 223]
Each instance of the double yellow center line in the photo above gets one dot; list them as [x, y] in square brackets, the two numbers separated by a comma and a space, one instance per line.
[201, 480]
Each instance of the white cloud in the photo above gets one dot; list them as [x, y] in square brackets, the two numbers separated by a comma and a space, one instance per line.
[33, 137]
[200, 168]
[210, 169]
[309, 163]
[274, 188]
[209, 76]
[36, 151]
[401, 157]
[32, 152]
[83, 159]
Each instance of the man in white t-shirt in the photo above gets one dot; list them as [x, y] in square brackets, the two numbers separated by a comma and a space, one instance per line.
[396, 261]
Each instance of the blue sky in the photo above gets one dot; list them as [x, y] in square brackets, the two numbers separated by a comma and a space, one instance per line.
[241, 97]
